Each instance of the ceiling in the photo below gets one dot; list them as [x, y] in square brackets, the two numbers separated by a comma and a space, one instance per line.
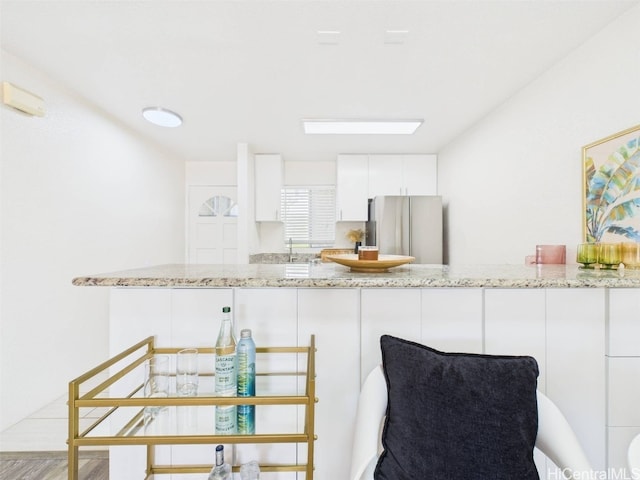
[250, 70]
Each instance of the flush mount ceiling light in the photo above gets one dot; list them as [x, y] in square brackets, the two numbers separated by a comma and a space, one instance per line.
[162, 117]
[361, 127]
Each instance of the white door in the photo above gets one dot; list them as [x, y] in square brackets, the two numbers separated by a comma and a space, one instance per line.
[213, 225]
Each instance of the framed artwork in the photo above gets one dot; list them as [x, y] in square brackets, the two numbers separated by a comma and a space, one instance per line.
[611, 182]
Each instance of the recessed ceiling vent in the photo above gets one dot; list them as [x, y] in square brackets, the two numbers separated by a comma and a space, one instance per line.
[395, 37]
[328, 37]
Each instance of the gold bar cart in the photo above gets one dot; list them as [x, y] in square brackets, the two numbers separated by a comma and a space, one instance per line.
[94, 390]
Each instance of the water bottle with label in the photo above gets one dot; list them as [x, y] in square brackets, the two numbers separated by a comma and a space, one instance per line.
[225, 379]
[246, 354]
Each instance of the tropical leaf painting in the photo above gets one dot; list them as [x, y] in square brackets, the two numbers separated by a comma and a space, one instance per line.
[612, 188]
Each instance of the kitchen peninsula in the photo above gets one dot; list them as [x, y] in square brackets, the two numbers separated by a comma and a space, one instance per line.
[582, 327]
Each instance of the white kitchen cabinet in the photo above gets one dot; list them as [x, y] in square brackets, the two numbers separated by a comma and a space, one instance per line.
[576, 367]
[385, 175]
[420, 174]
[624, 327]
[352, 188]
[134, 315]
[623, 373]
[515, 325]
[177, 317]
[268, 187]
[271, 314]
[333, 316]
[624, 395]
[452, 319]
[392, 311]
[403, 175]
[564, 329]
[543, 324]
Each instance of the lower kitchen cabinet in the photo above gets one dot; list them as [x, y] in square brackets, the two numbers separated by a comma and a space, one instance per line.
[451, 319]
[576, 370]
[271, 314]
[390, 311]
[515, 325]
[623, 368]
[332, 315]
[566, 330]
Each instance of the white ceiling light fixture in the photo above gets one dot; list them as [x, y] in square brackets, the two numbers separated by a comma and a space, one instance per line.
[360, 127]
[162, 117]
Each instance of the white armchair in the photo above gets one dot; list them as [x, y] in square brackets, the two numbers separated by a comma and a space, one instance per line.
[555, 437]
[633, 456]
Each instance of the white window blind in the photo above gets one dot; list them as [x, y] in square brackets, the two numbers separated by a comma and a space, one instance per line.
[309, 215]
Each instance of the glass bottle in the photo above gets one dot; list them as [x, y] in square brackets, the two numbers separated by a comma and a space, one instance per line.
[221, 470]
[225, 379]
[246, 354]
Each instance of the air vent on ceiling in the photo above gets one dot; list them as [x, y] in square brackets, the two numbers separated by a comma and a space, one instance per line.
[395, 37]
[328, 37]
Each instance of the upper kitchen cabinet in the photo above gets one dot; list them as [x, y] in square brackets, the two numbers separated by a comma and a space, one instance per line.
[415, 174]
[268, 185]
[352, 188]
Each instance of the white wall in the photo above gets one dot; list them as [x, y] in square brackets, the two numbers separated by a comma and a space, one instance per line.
[515, 179]
[78, 194]
[211, 173]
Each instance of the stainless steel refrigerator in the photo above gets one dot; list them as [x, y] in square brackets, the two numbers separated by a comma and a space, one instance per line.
[407, 225]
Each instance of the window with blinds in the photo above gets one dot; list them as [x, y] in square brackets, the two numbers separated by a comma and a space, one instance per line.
[309, 216]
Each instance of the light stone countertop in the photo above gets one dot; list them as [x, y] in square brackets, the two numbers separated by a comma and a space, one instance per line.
[331, 275]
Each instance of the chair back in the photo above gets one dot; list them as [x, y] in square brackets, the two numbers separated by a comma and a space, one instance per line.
[555, 438]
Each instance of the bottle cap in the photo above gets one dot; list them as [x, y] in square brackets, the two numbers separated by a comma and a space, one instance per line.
[245, 333]
[226, 309]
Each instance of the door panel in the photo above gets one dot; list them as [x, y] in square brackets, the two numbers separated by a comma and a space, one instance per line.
[212, 225]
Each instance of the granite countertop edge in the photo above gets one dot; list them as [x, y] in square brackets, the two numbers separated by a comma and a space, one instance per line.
[337, 276]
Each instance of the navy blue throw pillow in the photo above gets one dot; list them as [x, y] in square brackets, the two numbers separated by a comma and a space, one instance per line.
[457, 416]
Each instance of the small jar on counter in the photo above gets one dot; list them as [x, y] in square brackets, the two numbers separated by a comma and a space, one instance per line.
[368, 253]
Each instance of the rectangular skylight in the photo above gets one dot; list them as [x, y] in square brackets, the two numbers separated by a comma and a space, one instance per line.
[361, 127]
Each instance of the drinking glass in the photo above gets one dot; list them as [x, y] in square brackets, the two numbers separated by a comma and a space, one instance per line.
[250, 471]
[587, 255]
[609, 255]
[156, 381]
[631, 255]
[551, 254]
[187, 372]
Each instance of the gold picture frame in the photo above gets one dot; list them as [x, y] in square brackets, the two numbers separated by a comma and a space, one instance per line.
[611, 188]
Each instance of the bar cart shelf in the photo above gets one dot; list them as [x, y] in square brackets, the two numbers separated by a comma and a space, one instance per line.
[114, 387]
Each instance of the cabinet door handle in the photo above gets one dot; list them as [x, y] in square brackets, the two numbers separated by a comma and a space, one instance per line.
[276, 213]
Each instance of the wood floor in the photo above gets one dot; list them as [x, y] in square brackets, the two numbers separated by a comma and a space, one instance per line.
[93, 465]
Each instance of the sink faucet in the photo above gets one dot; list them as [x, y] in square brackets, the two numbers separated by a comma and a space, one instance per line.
[290, 250]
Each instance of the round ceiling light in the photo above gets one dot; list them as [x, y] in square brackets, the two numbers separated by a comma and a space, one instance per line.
[162, 117]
